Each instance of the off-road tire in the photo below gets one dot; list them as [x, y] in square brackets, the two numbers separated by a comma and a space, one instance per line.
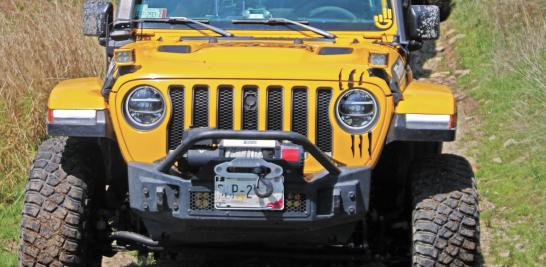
[445, 216]
[444, 5]
[56, 227]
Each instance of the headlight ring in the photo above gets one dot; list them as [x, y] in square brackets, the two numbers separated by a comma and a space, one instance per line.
[144, 107]
[357, 111]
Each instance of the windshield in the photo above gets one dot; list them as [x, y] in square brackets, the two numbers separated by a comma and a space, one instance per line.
[325, 14]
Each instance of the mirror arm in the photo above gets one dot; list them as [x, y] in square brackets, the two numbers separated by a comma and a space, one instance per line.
[414, 45]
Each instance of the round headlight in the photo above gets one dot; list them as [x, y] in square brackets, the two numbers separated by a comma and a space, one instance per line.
[145, 107]
[357, 111]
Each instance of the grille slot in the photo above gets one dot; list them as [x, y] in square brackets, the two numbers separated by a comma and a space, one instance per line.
[299, 110]
[176, 125]
[324, 126]
[250, 110]
[200, 106]
[274, 108]
[225, 108]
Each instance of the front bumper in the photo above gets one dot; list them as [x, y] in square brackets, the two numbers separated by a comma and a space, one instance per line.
[180, 210]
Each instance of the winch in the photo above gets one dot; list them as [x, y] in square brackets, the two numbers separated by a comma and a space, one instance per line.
[228, 149]
[249, 174]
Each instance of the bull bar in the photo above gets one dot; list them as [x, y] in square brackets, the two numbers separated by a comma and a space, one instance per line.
[161, 199]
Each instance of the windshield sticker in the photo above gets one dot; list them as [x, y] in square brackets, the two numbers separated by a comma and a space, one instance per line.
[256, 13]
[384, 20]
[144, 12]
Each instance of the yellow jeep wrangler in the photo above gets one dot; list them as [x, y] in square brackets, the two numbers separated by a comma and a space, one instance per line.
[291, 125]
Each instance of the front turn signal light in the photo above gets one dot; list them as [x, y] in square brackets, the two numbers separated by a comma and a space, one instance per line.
[72, 117]
[430, 122]
[453, 121]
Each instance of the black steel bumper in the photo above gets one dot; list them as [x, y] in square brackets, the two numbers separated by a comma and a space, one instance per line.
[332, 203]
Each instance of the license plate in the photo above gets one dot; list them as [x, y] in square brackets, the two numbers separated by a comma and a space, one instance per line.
[238, 194]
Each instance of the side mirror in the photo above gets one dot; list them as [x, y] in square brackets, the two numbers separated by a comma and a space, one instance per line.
[98, 15]
[424, 22]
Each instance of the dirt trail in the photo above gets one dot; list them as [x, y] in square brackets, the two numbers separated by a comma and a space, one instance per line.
[435, 62]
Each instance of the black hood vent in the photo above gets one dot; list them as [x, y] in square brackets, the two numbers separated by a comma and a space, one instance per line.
[325, 51]
[181, 49]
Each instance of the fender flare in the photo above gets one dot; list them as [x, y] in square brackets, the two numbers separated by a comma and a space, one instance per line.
[76, 108]
[427, 113]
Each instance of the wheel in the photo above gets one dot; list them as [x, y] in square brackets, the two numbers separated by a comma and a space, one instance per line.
[56, 225]
[444, 5]
[445, 216]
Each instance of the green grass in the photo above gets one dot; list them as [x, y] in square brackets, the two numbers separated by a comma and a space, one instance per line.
[11, 198]
[505, 50]
[10, 216]
[10, 209]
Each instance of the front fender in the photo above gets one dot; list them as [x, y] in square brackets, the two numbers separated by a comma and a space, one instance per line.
[427, 98]
[78, 94]
[76, 108]
[427, 113]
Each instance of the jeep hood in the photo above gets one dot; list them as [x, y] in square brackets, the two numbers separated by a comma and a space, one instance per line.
[251, 60]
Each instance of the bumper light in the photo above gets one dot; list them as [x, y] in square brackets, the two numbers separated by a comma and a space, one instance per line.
[294, 200]
[201, 200]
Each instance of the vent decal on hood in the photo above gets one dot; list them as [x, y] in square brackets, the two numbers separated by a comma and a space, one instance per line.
[182, 49]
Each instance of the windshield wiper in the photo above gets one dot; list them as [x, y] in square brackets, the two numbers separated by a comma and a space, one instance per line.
[183, 20]
[281, 21]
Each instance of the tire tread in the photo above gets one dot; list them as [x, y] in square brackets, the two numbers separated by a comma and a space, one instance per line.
[51, 227]
[445, 216]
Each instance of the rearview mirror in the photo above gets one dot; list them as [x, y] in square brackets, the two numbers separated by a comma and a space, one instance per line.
[98, 15]
[424, 22]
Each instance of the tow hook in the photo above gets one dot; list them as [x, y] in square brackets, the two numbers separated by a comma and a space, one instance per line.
[243, 167]
[268, 186]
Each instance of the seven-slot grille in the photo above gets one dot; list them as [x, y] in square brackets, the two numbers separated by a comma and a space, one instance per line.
[250, 109]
